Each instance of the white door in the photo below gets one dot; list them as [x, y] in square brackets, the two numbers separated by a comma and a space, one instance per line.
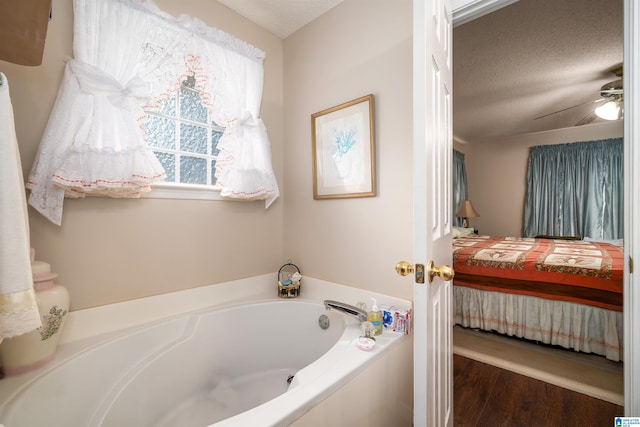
[631, 307]
[432, 121]
[433, 389]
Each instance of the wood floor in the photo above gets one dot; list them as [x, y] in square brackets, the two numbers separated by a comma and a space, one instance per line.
[488, 396]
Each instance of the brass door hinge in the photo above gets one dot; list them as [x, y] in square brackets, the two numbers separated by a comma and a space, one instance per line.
[630, 265]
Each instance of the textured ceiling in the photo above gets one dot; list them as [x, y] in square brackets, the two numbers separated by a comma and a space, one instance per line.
[281, 17]
[522, 61]
[529, 59]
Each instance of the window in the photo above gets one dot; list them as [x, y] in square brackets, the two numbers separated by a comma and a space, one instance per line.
[93, 144]
[575, 190]
[459, 183]
[184, 138]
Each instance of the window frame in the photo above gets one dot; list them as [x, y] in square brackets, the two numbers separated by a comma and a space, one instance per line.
[177, 191]
[181, 190]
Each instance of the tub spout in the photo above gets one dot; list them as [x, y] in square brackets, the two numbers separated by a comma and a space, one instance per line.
[347, 309]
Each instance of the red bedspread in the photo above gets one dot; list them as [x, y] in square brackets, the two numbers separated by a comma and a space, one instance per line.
[569, 270]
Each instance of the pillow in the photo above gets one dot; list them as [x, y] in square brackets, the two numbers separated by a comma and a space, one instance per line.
[612, 242]
[462, 232]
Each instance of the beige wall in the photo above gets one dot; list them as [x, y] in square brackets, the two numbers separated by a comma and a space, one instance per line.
[113, 250]
[110, 250]
[496, 174]
[358, 48]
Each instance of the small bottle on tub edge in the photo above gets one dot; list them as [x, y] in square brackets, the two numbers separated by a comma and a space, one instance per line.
[375, 317]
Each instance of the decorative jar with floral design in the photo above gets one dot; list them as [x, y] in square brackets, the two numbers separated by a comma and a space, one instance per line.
[37, 348]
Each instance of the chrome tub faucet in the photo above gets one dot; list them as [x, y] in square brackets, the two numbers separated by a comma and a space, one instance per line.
[347, 309]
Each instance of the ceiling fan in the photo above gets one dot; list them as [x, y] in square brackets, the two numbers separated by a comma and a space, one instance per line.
[611, 95]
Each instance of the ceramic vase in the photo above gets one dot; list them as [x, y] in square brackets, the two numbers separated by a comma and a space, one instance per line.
[37, 348]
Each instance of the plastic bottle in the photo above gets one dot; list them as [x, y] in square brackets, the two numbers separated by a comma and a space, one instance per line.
[375, 317]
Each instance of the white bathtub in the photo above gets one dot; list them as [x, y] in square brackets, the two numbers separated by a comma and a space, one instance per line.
[263, 362]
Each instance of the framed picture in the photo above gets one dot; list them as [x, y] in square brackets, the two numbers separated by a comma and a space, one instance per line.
[343, 150]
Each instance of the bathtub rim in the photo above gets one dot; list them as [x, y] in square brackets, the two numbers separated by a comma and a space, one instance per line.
[89, 328]
[91, 322]
[324, 378]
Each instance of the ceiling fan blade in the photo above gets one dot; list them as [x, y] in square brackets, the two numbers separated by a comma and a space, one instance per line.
[570, 108]
[587, 119]
[612, 92]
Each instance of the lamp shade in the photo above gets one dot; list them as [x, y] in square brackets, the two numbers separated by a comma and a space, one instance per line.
[466, 210]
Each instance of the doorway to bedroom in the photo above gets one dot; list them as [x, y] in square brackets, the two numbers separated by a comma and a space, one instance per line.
[502, 88]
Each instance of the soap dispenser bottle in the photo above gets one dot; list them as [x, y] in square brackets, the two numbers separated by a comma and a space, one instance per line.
[375, 317]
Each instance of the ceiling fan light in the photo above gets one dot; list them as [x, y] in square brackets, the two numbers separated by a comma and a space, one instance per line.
[609, 111]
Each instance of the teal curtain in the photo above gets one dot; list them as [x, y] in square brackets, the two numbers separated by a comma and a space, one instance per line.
[459, 183]
[575, 190]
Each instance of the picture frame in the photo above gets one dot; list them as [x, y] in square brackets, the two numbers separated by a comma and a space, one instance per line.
[343, 150]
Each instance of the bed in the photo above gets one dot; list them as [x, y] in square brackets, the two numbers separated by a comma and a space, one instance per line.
[560, 292]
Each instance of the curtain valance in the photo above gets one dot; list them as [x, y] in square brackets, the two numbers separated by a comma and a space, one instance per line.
[128, 57]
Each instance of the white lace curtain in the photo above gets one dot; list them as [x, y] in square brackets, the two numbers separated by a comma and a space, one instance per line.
[128, 55]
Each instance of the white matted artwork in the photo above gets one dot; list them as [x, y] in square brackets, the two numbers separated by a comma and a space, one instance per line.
[343, 150]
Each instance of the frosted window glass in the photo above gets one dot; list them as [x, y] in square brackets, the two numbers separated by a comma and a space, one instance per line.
[190, 106]
[168, 162]
[193, 138]
[215, 138]
[168, 107]
[188, 153]
[193, 170]
[160, 132]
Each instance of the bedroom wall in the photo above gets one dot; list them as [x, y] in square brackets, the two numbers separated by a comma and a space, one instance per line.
[496, 174]
[360, 47]
[110, 250]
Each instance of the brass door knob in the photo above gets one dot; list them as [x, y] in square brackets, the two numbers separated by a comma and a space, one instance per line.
[403, 268]
[444, 272]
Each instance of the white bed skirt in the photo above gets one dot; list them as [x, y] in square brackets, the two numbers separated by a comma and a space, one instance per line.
[566, 324]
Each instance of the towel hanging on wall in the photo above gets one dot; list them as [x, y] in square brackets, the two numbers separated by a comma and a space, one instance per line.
[18, 309]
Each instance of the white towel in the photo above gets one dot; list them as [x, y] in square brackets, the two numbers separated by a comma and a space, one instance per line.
[18, 307]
